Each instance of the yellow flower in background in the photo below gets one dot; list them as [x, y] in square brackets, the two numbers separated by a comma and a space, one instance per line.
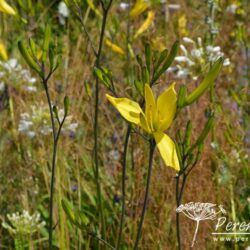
[3, 52]
[182, 25]
[146, 24]
[5, 8]
[157, 118]
[114, 47]
[158, 43]
[139, 7]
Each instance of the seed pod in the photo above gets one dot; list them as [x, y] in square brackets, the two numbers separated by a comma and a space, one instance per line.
[206, 83]
[66, 105]
[182, 96]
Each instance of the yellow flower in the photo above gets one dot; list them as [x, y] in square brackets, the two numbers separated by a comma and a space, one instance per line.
[146, 24]
[3, 52]
[139, 7]
[114, 47]
[4, 7]
[157, 118]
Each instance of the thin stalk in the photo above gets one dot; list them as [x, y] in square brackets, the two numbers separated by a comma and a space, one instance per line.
[150, 165]
[56, 135]
[125, 148]
[53, 167]
[179, 194]
[124, 160]
[96, 116]
[196, 231]
[177, 214]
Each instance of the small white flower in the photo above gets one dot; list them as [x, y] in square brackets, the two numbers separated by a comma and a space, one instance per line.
[226, 62]
[231, 8]
[124, 6]
[188, 40]
[197, 53]
[181, 59]
[63, 10]
[12, 63]
[182, 73]
[31, 88]
[183, 49]
[174, 6]
[31, 134]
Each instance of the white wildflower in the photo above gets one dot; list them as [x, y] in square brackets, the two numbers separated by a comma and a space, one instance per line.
[188, 40]
[24, 223]
[63, 12]
[124, 6]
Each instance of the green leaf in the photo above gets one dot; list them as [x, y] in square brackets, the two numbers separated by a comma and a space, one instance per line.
[102, 76]
[28, 58]
[56, 113]
[139, 87]
[168, 61]
[208, 126]
[162, 57]
[206, 83]
[139, 60]
[188, 134]
[68, 209]
[32, 47]
[46, 42]
[148, 55]
[145, 75]
[182, 96]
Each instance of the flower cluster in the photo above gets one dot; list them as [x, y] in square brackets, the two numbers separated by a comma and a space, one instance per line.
[23, 223]
[38, 122]
[12, 73]
[200, 211]
[196, 56]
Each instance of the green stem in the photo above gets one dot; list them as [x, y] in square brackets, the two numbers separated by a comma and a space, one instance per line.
[96, 115]
[177, 214]
[53, 167]
[56, 135]
[124, 160]
[150, 165]
[179, 194]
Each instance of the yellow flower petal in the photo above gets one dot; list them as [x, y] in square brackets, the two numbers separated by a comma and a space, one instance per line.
[139, 7]
[166, 106]
[146, 24]
[144, 124]
[3, 52]
[128, 109]
[114, 47]
[150, 110]
[167, 150]
[4, 7]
